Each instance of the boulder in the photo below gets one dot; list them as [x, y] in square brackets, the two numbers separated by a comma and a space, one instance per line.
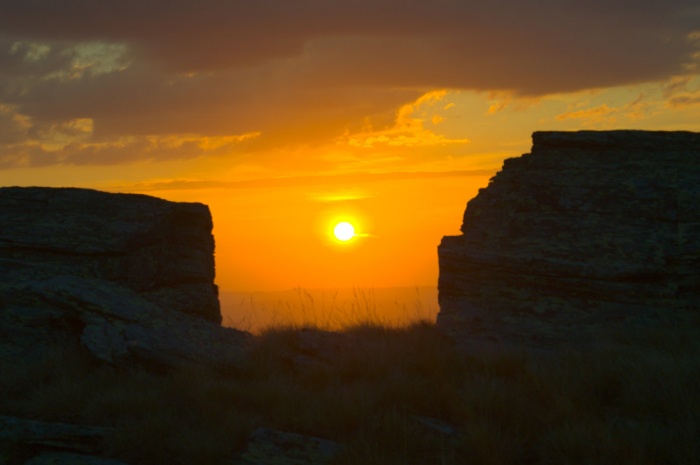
[588, 233]
[65, 436]
[67, 458]
[272, 447]
[129, 277]
[33, 442]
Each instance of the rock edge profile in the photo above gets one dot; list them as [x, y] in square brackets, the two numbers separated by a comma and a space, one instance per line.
[589, 232]
[129, 277]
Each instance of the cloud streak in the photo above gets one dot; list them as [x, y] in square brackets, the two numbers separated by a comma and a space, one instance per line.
[307, 181]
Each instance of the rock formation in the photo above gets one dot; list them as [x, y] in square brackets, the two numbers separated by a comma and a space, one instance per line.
[163, 251]
[129, 276]
[51, 443]
[590, 231]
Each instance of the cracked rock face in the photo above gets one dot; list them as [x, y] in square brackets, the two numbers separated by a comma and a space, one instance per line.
[588, 232]
[127, 276]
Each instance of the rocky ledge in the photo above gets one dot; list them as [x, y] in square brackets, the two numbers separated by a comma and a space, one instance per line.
[590, 232]
[129, 277]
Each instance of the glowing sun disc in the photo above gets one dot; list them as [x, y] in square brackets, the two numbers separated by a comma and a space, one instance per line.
[344, 231]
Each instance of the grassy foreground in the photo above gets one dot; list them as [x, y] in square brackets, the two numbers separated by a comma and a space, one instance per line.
[634, 401]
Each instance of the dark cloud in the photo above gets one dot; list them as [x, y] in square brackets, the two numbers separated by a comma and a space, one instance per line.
[16, 60]
[194, 35]
[300, 69]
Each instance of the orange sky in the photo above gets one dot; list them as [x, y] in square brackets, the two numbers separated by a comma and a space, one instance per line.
[286, 116]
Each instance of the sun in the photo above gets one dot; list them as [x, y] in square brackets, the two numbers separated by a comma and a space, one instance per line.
[344, 231]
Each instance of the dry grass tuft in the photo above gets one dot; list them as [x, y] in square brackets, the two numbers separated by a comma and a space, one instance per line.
[633, 400]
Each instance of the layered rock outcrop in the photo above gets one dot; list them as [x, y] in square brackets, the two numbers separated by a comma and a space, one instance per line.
[128, 276]
[163, 251]
[589, 231]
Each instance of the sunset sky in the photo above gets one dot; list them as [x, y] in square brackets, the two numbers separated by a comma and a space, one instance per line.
[288, 116]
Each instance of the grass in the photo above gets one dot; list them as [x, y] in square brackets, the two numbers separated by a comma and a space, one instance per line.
[329, 309]
[632, 401]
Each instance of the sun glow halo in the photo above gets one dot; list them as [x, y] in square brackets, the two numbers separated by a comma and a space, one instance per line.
[344, 231]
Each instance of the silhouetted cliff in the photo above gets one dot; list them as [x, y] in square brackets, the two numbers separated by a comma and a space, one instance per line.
[164, 251]
[588, 231]
[127, 276]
